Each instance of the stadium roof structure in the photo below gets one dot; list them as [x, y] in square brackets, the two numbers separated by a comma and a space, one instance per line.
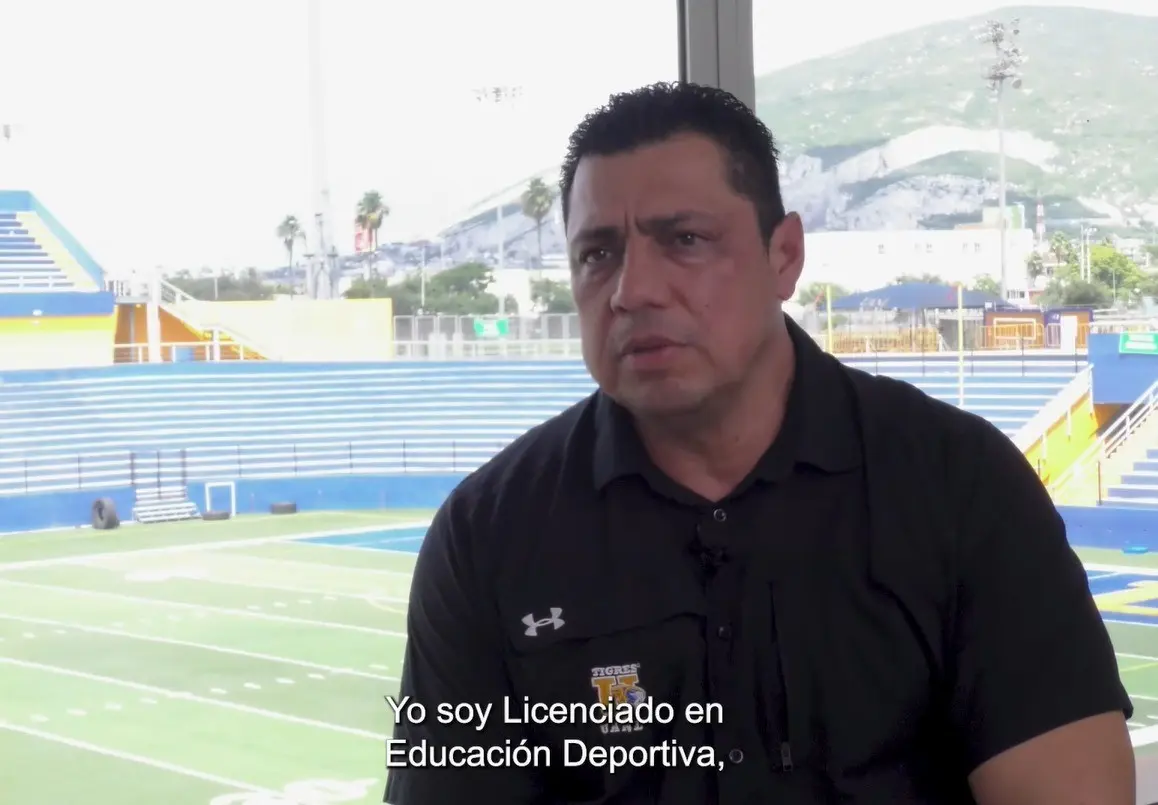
[915, 296]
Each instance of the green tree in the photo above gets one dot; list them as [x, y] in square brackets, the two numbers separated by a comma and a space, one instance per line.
[536, 201]
[986, 284]
[458, 291]
[550, 296]
[1034, 266]
[371, 212]
[1063, 250]
[814, 293]
[290, 232]
[1116, 271]
[1061, 292]
[226, 288]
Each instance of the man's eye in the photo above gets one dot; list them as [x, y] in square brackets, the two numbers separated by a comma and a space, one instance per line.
[688, 239]
[593, 256]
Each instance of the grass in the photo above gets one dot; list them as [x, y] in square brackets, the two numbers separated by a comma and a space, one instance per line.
[229, 663]
[203, 662]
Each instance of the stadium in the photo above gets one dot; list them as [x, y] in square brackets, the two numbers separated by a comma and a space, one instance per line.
[210, 510]
[272, 508]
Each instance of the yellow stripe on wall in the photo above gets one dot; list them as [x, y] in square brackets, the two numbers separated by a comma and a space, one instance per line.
[33, 326]
[1065, 440]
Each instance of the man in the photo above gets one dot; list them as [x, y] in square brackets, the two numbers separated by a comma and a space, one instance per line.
[872, 585]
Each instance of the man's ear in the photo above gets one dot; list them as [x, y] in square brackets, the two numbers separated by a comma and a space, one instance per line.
[786, 255]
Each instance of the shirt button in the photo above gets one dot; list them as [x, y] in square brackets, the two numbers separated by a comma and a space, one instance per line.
[735, 756]
[724, 633]
[719, 515]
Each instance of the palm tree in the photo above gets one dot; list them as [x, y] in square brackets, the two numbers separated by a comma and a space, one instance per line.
[1063, 250]
[372, 211]
[537, 200]
[290, 231]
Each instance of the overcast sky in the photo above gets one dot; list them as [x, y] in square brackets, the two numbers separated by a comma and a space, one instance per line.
[177, 133]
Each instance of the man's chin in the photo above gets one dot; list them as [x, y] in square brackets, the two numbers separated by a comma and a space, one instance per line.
[659, 398]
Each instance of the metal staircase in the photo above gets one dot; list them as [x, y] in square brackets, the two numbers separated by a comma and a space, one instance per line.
[164, 505]
[189, 310]
[1103, 464]
[161, 488]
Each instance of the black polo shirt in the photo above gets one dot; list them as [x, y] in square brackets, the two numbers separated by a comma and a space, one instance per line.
[886, 602]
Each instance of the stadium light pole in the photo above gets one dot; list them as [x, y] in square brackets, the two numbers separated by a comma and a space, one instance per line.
[320, 271]
[1006, 67]
[499, 97]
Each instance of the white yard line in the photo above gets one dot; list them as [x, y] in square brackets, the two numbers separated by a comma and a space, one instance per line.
[365, 547]
[192, 697]
[1122, 570]
[370, 571]
[204, 646]
[1129, 623]
[224, 782]
[207, 546]
[242, 613]
[370, 598]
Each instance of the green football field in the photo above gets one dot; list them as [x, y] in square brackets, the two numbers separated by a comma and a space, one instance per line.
[192, 663]
[245, 662]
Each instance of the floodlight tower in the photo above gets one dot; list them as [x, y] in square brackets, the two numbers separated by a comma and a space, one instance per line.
[320, 278]
[500, 97]
[1006, 68]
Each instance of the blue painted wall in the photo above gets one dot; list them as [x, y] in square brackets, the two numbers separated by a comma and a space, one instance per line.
[66, 303]
[1119, 379]
[70, 509]
[23, 201]
[15, 201]
[1095, 527]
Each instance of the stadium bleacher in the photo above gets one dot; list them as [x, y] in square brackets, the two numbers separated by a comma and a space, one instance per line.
[232, 420]
[36, 253]
[1139, 487]
[24, 264]
[1006, 391]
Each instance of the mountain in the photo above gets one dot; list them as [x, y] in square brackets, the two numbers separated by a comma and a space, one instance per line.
[900, 132]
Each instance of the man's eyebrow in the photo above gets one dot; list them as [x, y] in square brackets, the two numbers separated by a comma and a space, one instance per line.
[598, 233]
[665, 223]
[648, 226]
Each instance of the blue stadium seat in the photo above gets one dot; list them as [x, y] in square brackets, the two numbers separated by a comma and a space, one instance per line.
[432, 417]
[1138, 488]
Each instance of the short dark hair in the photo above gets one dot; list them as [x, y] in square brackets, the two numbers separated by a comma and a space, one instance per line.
[651, 114]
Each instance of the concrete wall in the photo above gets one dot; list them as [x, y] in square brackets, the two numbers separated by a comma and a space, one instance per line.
[343, 492]
[1064, 440]
[1119, 378]
[1093, 527]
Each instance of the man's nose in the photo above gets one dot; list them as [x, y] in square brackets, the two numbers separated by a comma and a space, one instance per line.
[642, 280]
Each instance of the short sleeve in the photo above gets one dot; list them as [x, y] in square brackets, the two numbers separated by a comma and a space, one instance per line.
[1031, 651]
[454, 655]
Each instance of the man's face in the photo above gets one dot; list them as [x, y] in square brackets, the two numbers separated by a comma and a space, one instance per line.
[676, 290]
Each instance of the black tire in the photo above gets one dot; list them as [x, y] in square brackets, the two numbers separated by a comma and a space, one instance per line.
[283, 508]
[215, 515]
[104, 514]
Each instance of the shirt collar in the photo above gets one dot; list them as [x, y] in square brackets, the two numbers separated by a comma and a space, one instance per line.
[819, 430]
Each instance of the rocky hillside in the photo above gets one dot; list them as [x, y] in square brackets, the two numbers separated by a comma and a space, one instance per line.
[900, 132]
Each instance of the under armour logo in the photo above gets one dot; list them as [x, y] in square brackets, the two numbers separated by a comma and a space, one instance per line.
[533, 626]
